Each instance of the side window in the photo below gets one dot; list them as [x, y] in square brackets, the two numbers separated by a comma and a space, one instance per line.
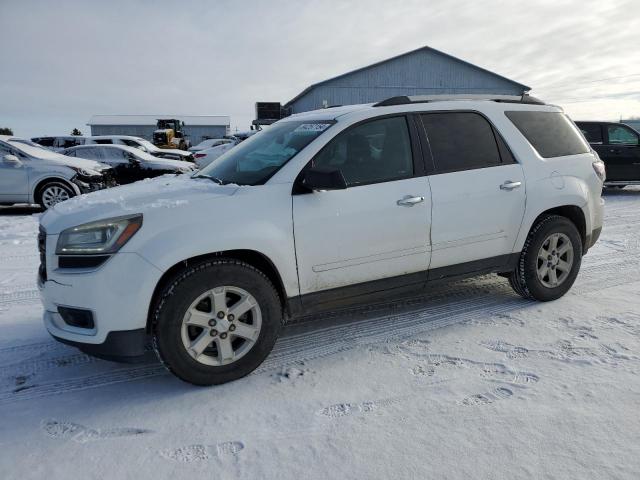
[621, 135]
[376, 151]
[591, 131]
[90, 153]
[45, 141]
[103, 141]
[461, 141]
[130, 143]
[114, 154]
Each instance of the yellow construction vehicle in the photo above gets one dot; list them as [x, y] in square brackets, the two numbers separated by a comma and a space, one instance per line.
[170, 134]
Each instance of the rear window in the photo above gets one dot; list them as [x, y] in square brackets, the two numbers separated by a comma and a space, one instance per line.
[552, 134]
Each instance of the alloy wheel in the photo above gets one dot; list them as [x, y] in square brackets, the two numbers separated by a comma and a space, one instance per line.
[221, 326]
[54, 194]
[555, 260]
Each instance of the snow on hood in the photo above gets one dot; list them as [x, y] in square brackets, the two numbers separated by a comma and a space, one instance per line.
[166, 162]
[145, 196]
[174, 151]
[58, 158]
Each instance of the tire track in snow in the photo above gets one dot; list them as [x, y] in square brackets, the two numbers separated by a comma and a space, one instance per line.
[485, 299]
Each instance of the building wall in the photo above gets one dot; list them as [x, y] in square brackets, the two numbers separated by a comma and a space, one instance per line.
[196, 133]
[419, 73]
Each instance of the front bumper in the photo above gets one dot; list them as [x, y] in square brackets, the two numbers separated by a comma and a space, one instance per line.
[117, 293]
[88, 185]
[122, 346]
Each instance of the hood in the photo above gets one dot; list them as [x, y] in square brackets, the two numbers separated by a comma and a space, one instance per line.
[148, 197]
[59, 159]
[173, 151]
[167, 163]
[81, 163]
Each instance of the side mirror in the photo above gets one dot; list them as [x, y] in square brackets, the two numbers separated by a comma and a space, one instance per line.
[324, 178]
[12, 160]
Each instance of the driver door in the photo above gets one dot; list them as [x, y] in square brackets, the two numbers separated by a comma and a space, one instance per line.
[373, 235]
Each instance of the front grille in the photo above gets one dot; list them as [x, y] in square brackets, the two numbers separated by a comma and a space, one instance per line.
[42, 248]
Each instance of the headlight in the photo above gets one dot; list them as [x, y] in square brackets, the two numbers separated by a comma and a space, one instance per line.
[104, 236]
[85, 173]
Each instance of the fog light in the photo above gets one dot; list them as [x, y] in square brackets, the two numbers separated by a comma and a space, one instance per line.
[77, 317]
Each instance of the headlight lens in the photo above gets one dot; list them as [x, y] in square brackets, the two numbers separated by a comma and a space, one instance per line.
[85, 173]
[104, 236]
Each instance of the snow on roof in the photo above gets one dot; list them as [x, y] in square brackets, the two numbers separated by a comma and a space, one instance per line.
[202, 120]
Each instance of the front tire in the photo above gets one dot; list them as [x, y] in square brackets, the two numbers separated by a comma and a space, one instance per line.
[52, 193]
[550, 260]
[216, 322]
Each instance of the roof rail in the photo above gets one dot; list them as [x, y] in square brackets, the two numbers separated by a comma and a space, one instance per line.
[405, 99]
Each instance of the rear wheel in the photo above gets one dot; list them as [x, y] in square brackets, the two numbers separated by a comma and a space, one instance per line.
[52, 193]
[216, 322]
[550, 260]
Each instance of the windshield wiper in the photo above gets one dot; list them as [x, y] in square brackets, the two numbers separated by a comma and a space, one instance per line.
[213, 179]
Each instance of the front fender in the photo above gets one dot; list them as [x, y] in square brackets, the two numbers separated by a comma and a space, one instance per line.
[36, 179]
[170, 236]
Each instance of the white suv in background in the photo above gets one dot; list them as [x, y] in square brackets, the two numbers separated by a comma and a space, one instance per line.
[322, 210]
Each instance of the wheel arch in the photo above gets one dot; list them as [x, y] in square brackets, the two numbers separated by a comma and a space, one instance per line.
[573, 213]
[35, 191]
[252, 257]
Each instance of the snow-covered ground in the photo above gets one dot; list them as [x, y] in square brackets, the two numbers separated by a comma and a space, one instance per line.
[467, 382]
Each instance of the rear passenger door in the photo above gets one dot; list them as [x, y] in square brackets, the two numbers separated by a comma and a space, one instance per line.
[478, 193]
[622, 152]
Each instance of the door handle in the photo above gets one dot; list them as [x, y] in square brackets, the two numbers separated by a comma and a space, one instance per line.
[509, 185]
[409, 201]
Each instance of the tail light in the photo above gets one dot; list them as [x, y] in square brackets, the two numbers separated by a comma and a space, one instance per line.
[598, 166]
[199, 155]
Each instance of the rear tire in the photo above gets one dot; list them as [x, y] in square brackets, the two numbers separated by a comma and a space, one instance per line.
[195, 334]
[550, 260]
[52, 193]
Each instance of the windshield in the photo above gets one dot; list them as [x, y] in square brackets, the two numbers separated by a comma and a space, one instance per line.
[28, 142]
[255, 160]
[34, 151]
[147, 144]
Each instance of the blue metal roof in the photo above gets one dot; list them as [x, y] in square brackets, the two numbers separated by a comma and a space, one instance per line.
[421, 49]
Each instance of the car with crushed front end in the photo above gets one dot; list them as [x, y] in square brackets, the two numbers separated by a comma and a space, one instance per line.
[30, 173]
[129, 164]
[321, 211]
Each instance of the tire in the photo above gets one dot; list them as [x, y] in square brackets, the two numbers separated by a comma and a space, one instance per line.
[526, 279]
[53, 192]
[192, 296]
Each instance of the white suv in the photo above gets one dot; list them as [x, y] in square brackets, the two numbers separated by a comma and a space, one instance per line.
[322, 210]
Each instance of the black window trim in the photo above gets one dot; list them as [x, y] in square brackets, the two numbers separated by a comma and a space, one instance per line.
[501, 145]
[416, 153]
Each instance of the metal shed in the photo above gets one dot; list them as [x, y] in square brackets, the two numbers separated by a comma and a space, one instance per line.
[425, 71]
[197, 127]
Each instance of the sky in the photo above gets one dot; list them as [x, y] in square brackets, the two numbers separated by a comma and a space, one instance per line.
[63, 61]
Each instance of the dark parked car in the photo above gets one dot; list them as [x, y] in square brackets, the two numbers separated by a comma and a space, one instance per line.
[130, 164]
[619, 148]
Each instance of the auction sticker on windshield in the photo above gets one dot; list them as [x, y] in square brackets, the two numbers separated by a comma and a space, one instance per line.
[312, 127]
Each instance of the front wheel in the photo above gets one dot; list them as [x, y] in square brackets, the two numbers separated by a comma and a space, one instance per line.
[216, 322]
[549, 261]
[52, 193]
